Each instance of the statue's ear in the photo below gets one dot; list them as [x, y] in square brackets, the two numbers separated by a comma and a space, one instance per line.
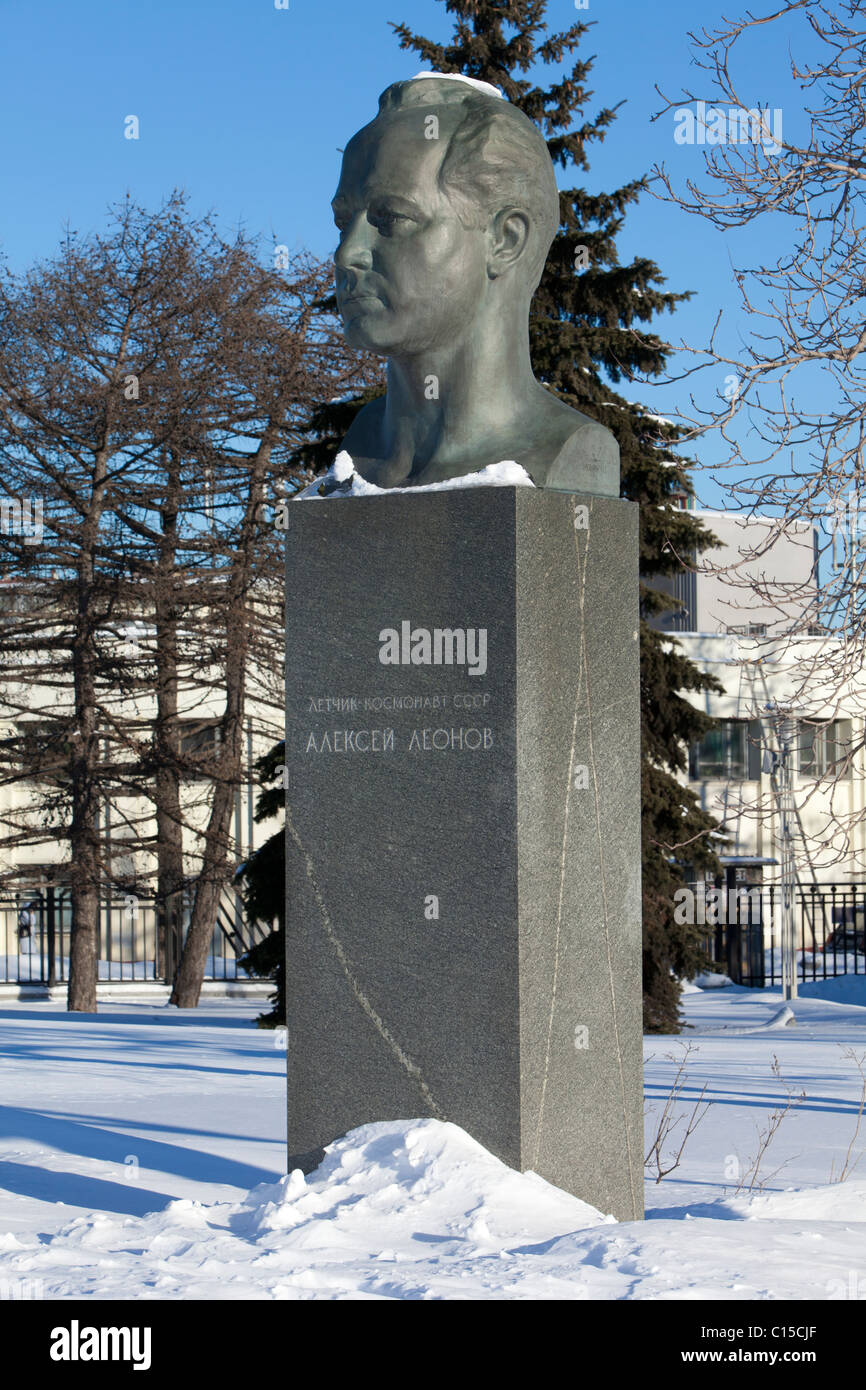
[509, 236]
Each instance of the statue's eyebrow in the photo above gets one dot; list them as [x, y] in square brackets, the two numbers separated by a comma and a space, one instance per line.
[377, 193]
[380, 193]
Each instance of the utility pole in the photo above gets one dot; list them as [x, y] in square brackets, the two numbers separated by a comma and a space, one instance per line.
[786, 730]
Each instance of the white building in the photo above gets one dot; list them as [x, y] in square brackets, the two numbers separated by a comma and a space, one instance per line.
[34, 876]
[743, 615]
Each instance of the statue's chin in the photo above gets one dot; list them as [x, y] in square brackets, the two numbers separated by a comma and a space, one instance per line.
[363, 331]
[355, 336]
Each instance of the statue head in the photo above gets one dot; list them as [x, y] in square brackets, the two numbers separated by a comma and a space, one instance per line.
[447, 205]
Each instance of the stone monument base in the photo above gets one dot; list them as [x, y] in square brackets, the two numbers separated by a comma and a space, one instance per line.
[463, 827]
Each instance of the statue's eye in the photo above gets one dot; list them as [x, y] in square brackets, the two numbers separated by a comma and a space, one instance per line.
[385, 219]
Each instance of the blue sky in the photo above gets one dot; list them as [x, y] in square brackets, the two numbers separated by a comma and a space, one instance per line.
[245, 106]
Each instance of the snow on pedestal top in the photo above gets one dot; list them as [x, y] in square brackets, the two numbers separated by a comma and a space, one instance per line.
[342, 475]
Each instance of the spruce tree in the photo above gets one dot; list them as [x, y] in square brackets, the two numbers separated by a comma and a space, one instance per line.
[586, 337]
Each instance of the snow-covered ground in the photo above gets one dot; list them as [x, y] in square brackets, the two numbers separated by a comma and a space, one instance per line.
[141, 1155]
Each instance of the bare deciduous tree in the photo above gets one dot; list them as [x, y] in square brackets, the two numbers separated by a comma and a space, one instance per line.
[154, 385]
[788, 402]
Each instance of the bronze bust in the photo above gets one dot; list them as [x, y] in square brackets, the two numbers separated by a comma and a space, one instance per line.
[447, 206]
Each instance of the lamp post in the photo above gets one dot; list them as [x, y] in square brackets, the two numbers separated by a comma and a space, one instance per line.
[787, 741]
[779, 764]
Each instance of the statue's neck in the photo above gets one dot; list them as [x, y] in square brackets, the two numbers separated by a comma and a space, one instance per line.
[441, 402]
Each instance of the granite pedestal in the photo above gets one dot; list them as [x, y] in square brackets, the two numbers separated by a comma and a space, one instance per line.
[463, 827]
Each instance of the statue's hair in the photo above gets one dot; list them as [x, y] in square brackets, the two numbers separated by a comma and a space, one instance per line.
[495, 157]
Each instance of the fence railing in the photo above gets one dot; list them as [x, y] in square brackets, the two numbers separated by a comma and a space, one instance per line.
[35, 936]
[743, 934]
[744, 931]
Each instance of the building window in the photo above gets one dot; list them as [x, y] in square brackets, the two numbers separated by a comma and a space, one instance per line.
[199, 747]
[822, 746]
[730, 752]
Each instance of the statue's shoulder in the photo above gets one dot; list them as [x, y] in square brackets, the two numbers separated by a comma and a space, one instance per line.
[364, 435]
[582, 455]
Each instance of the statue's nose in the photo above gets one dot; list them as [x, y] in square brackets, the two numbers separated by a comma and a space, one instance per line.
[355, 249]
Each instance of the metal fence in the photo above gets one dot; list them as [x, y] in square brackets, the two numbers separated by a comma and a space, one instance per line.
[35, 935]
[743, 927]
[744, 931]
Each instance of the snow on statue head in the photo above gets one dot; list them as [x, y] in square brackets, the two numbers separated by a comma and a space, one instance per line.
[447, 205]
